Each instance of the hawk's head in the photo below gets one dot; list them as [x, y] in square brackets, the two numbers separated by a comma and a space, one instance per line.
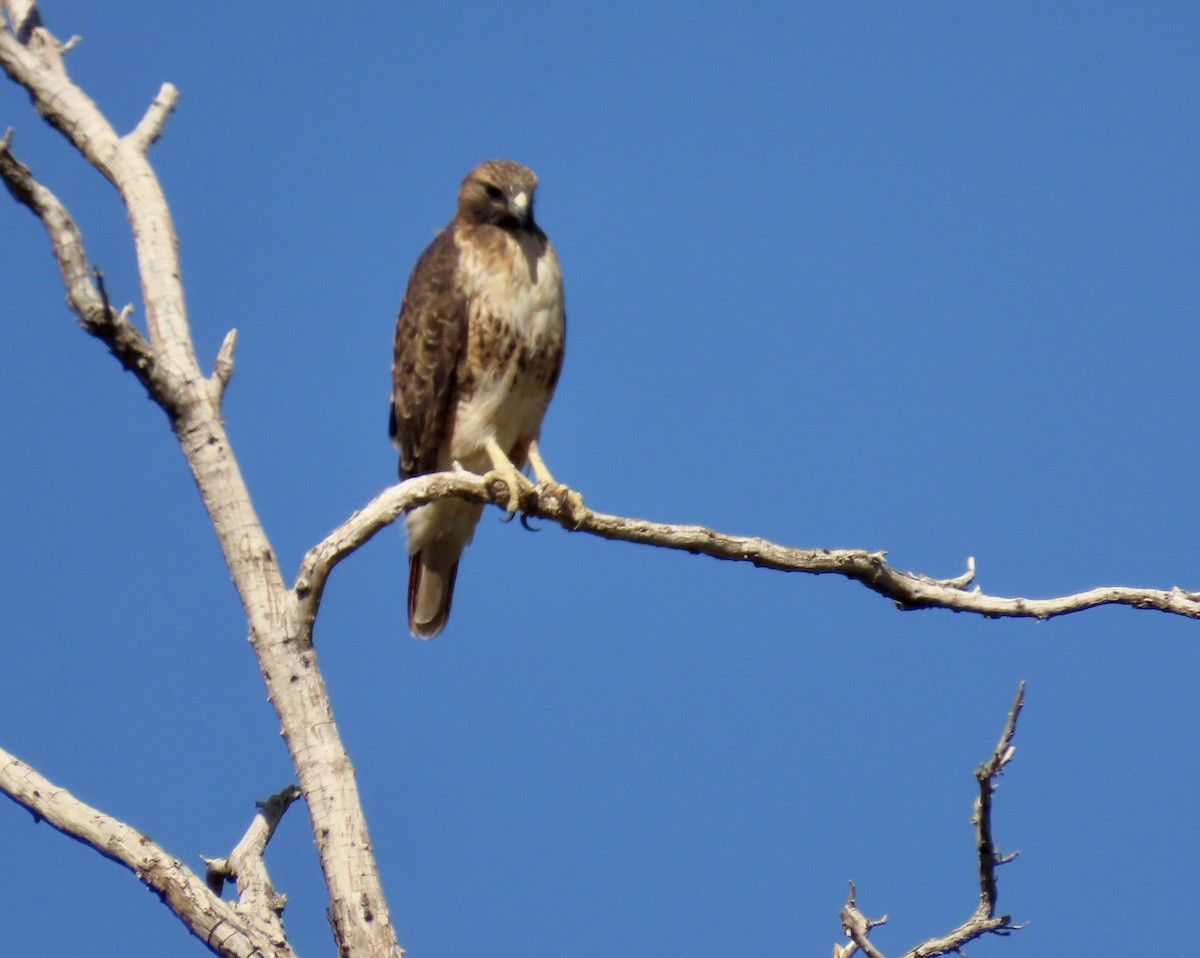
[499, 192]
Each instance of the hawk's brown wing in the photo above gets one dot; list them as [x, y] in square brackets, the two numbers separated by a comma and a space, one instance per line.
[431, 336]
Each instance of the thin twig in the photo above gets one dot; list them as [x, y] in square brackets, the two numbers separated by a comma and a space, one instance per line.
[987, 774]
[983, 920]
[857, 927]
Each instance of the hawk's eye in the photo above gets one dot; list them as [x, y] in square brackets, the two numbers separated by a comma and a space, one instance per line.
[493, 192]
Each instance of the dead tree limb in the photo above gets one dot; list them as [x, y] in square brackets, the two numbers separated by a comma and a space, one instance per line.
[217, 923]
[258, 902]
[909, 590]
[984, 920]
[165, 361]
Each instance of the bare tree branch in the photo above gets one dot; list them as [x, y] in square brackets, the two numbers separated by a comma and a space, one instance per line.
[280, 636]
[857, 927]
[909, 590]
[986, 774]
[150, 127]
[257, 898]
[223, 368]
[37, 66]
[984, 919]
[85, 297]
[216, 923]
[23, 15]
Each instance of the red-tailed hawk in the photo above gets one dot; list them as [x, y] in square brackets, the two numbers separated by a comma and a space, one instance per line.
[479, 346]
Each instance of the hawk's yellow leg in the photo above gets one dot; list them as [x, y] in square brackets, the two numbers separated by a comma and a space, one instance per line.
[539, 466]
[569, 499]
[517, 484]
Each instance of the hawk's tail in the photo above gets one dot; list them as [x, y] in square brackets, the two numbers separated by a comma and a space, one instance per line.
[430, 592]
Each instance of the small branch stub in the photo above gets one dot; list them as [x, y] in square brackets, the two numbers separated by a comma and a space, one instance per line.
[223, 367]
[150, 127]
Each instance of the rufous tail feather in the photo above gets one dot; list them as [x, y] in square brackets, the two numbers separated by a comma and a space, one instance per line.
[430, 592]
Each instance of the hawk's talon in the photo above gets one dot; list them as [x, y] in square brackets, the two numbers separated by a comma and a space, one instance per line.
[516, 488]
[525, 523]
[568, 503]
[577, 512]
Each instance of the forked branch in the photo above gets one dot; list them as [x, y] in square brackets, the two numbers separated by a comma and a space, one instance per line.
[85, 295]
[165, 361]
[150, 127]
[984, 920]
[215, 922]
[258, 902]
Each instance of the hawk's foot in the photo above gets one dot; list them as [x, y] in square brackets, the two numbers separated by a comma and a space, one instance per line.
[568, 504]
[504, 470]
[516, 487]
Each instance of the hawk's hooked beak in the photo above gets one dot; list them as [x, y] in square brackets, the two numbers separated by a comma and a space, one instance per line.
[519, 205]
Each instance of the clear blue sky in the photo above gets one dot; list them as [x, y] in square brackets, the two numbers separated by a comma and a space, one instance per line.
[914, 277]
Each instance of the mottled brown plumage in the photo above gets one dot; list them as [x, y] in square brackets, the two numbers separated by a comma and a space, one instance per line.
[479, 346]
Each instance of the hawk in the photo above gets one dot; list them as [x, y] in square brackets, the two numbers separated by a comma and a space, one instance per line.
[479, 347]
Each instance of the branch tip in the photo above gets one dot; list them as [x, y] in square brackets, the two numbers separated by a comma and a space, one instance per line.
[223, 367]
[244, 865]
[150, 127]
